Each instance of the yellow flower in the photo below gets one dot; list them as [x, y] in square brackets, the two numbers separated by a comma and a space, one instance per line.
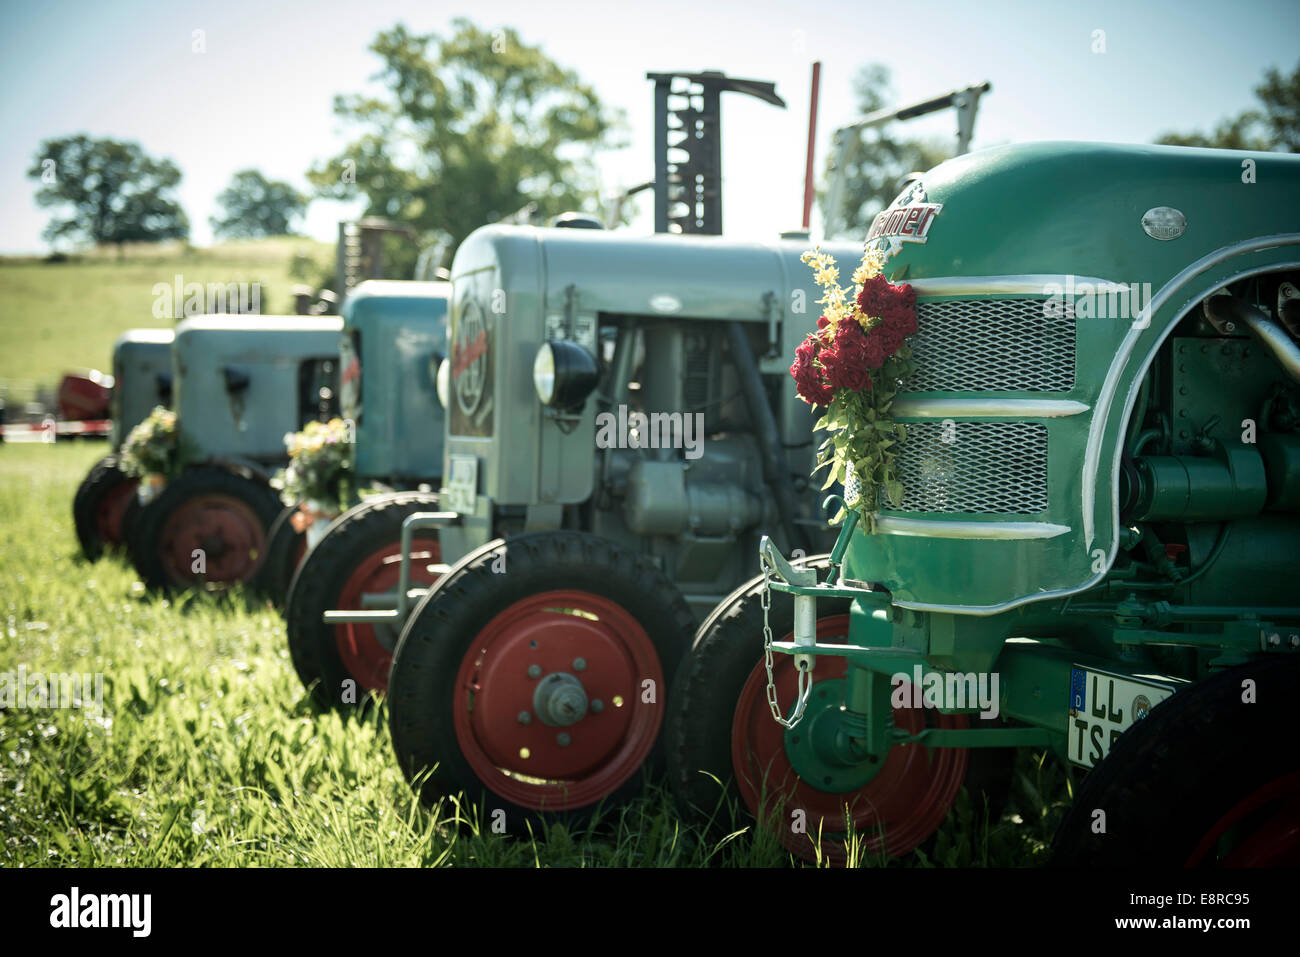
[873, 262]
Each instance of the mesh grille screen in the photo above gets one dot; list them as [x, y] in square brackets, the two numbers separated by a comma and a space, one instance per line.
[992, 345]
[975, 467]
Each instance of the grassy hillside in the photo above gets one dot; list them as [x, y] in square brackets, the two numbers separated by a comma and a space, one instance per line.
[56, 316]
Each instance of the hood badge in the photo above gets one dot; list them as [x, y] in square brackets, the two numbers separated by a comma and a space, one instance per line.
[1164, 223]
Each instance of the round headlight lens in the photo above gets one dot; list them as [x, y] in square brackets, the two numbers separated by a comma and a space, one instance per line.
[443, 383]
[544, 373]
[564, 374]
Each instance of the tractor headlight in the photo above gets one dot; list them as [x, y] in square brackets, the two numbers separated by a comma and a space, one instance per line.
[564, 374]
[443, 383]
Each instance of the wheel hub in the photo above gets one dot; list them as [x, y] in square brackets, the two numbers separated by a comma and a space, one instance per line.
[810, 745]
[560, 700]
[591, 732]
[226, 530]
[901, 804]
[214, 546]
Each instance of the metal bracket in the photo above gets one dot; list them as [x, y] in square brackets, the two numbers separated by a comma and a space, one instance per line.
[772, 561]
[570, 311]
[805, 606]
[772, 310]
[416, 520]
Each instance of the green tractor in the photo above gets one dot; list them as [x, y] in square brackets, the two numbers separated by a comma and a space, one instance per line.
[617, 434]
[1097, 543]
[239, 384]
[142, 379]
[393, 342]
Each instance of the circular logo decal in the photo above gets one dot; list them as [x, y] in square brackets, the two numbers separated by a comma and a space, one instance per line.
[1141, 705]
[469, 356]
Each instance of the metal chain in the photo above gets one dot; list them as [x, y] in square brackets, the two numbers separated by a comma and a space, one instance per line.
[805, 677]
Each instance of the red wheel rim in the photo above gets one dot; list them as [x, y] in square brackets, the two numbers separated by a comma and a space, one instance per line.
[225, 528]
[908, 799]
[111, 510]
[1270, 819]
[526, 763]
[360, 650]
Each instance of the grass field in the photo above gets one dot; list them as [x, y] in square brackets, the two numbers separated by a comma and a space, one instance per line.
[207, 751]
[57, 316]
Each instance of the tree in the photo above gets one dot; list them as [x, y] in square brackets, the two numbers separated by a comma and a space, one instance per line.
[1275, 128]
[473, 128]
[874, 173]
[118, 194]
[255, 206]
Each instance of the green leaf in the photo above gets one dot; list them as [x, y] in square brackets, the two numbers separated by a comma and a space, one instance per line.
[894, 490]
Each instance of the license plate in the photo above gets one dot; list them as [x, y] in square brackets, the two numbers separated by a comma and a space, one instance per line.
[462, 484]
[1102, 707]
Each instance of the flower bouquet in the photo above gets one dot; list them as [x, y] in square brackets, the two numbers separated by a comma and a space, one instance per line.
[317, 477]
[151, 452]
[851, 366]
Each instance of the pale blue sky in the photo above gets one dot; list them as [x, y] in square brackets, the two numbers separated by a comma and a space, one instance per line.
[261, 94]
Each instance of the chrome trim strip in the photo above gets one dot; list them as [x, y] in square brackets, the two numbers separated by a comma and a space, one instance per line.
[1031, 284]
[947, 528]
[979, 408]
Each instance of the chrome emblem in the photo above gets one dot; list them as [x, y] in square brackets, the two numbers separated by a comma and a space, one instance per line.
[1164, 223]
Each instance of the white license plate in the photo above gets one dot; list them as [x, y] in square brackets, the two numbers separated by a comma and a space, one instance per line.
[462, 485]
[1102, 707]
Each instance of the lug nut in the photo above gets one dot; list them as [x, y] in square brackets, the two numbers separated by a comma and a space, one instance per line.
[579, 664]
[525, 717]
[534, 671]
[563, 740]
[1295, 641]
[598, 706]
[1275, 639]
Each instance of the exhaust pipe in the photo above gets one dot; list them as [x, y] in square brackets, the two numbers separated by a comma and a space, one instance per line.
[1275, 338]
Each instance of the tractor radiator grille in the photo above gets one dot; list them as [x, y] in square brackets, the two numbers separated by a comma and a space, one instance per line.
[992, 345]
[974, 467]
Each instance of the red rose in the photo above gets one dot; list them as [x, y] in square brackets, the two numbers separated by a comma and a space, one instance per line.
[847, 362]
[880, 297]
[807, 377]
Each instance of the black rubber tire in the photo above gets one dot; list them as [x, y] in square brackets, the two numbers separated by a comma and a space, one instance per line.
[446, 623]
[707, 691]
[149, 522]
[103, 477]
[320, 579]
[1174, 774]
[283, 546]
[129, 517]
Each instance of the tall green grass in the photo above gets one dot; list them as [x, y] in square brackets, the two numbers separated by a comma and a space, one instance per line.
[209, 753]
